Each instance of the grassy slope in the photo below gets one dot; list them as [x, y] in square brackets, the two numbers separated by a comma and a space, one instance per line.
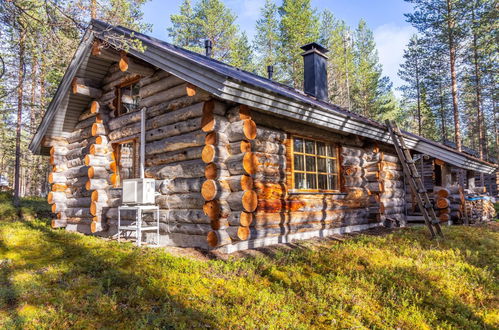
[53, 279]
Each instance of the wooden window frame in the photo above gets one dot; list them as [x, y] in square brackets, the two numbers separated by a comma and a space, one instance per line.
[117, 94]
[335, 146]
[135, 166]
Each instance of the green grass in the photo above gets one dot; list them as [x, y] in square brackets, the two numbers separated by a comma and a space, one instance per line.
[54, 279]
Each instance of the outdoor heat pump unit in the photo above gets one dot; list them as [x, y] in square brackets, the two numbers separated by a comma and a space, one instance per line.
[139, 191]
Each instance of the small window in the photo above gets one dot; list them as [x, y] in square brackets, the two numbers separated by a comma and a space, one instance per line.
[128, 98]
[315, 166]
[126, 157]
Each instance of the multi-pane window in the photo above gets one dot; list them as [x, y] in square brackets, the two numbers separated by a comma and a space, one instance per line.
[128, 98]
[315, 165]
[126, 160]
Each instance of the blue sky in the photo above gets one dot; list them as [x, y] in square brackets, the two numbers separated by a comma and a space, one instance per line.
[384, 17]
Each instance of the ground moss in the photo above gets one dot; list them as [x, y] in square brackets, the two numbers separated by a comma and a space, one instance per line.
[54, 279]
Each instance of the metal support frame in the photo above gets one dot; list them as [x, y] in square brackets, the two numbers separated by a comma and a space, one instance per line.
[138, 228]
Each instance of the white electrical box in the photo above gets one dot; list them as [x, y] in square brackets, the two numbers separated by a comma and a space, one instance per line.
[138, 191]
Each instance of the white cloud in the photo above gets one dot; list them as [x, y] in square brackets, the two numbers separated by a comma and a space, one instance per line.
[391, 41]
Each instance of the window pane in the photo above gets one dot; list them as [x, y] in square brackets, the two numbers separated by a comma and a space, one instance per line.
[299, 166]
[309, 147]
[333, 182]
[300, 181]
[331, 151]
[321, 148]
[323, 182]
[311, 184]
[125, 162]
[321, 165]
[331, 165]
[310, 163]
[298, 145]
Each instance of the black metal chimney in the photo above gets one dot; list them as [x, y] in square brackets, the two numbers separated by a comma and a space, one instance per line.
[315, 72]
[207, 47]
[270, 71]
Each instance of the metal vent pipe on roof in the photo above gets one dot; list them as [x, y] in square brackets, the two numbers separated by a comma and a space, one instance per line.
[270, 71]
[315, 71]
[208, 47]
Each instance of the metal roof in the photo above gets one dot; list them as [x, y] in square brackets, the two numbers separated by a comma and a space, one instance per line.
[264, 95]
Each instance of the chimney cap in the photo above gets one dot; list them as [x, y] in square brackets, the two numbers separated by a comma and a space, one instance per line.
[314, 47]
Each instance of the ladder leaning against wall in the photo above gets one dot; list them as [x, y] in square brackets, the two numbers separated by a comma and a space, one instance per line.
[414, 179]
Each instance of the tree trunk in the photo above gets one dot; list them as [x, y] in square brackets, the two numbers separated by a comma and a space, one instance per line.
[20, 91]
[452, 57]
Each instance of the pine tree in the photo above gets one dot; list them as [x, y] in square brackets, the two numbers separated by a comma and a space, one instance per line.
[266, 42]
[440, 22]
[337, 37]
[241, 53]
[183, 32]
[299, 25]
[369, 86]
[411, 71]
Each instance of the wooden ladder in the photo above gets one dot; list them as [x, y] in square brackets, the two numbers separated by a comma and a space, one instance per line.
[414, 178]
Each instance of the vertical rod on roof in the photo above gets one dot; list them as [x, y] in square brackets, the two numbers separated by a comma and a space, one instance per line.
[208, 47]
[142, 141]
[270, 71]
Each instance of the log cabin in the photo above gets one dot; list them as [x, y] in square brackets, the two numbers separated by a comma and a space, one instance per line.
[239, 161]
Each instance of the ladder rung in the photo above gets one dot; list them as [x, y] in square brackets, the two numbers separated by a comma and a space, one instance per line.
[416, 176]
[409, 161]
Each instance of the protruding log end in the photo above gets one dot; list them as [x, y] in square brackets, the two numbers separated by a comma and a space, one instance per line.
[123, 63]
[250, 163]
[249, 129]
[211, 138]
[94, 107]
[212, 209]
[250, 200]
[190, 90]
[218, 238]
[209, 190]
[211, 171]
[246, 218]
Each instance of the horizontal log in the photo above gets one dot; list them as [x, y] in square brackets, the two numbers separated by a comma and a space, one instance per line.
[82, 212]
[216, 238]
[244, 163]
[97, 184]
[238, 112]
[188, 140]
[95, 172]
[188, 169]
[174, 156]
[240, 219]
[164, 96]
[180, 201]
[242, 130]
[216, 209]
[238, 233]
[79, 87]
[215, 171]
[213, 153]
[56, 223]
[243, 201]
[316, 219]
[186, 228]
[240, 182]
[184, 216]
[180, 185]
[390, 158]
[160, 85]
[176, 104]
[442, 203]
[99, 161]
[212, 189]
[269, 190]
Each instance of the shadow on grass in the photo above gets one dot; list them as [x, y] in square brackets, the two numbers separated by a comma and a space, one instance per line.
[103, 289]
